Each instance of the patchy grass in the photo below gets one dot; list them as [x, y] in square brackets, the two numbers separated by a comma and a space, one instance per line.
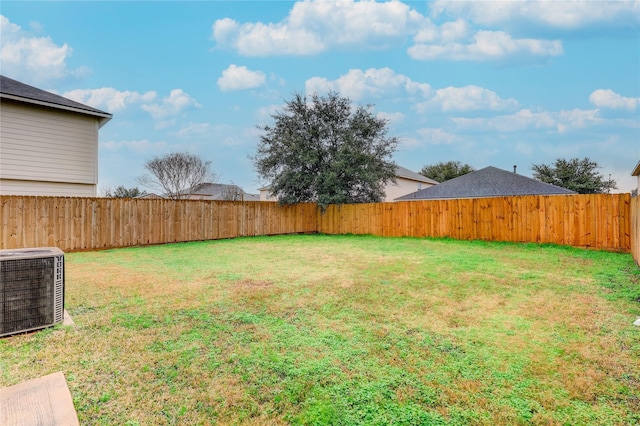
[344, 330]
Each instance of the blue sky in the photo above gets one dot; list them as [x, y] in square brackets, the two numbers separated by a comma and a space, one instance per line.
[485, 83]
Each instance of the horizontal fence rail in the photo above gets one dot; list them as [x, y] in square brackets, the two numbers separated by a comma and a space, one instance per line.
[600, 221]
[96, 223]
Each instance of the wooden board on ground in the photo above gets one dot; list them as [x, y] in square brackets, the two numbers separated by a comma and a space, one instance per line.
[45, 401]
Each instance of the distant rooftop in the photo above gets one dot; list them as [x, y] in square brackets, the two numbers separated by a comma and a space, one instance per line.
[221, 191]
[487, 182]
[408, 174]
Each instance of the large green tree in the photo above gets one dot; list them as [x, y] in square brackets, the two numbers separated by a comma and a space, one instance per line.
[326, 150]
[577, 175]
[441, 171]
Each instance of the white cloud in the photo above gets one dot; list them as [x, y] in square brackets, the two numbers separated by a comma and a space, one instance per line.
[374, 83]
[526, 120]
[519, 121]
[265, 113]
[569, 14]
[114, 100]
[391, 117]
[109, 98]
[37, 60]
[468, 98]
[7, 28]
[240, 78]
[138, 146]
[486, 46]
[609, 99]
[436, 136]
[408, 143]
[164, 124]
[224, 29]
[576, 118]
[315, 26]
[172, 105]
[268, 39]
[446, 33]
[385, 83]
[278, 80]
[232, 141]
[195, 129]
[454, 30]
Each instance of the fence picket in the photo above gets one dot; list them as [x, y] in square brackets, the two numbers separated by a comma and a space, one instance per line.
[602, 221]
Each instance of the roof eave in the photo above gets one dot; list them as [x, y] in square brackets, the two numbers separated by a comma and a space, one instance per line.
[103, 117]
[636, 171]
[419, 179]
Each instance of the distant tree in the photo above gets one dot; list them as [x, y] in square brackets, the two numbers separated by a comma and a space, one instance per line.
[441, 171]
[176, 174]
[325, 150]
[122, 192]
[577, 175]
[232, 192]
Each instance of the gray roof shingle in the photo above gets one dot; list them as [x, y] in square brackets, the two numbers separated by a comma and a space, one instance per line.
[221, 191]
[12, 89]
[487, 182]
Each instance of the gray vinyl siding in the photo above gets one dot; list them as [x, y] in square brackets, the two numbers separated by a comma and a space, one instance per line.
[47, 145]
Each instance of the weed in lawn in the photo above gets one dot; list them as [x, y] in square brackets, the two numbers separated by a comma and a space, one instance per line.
[343, 330]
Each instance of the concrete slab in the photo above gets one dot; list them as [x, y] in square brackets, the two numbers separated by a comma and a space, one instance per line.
[67, 320]
[45, 401]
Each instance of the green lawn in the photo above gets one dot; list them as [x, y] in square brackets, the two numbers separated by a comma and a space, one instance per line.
[344, 330]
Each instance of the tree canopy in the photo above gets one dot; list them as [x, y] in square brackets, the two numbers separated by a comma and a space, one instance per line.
[325, 150]
[176, 174]
[123, 192]
[577, 175]
[442, 171]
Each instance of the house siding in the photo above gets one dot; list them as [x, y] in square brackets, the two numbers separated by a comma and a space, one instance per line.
[42, 145]
[403, 187]
[266, 196]
[57, 189]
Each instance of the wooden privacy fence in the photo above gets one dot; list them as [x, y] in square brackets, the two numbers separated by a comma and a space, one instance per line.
[599, 221]
[602, 221]
[635, 229]
[94, 223]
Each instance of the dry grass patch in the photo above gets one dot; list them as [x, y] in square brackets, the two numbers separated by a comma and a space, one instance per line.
[343, 330]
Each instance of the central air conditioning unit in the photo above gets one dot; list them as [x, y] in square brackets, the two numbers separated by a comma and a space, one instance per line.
[31, 289]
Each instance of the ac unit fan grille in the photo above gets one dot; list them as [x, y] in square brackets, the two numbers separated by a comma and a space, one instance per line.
[32, 293]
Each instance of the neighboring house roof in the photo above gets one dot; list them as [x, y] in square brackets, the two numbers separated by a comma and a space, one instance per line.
[636, 171]
[251, 197]
[149, 195]
[216, 191]
[408, 174]
[17, 91]
[487, 182]
[221, 191]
